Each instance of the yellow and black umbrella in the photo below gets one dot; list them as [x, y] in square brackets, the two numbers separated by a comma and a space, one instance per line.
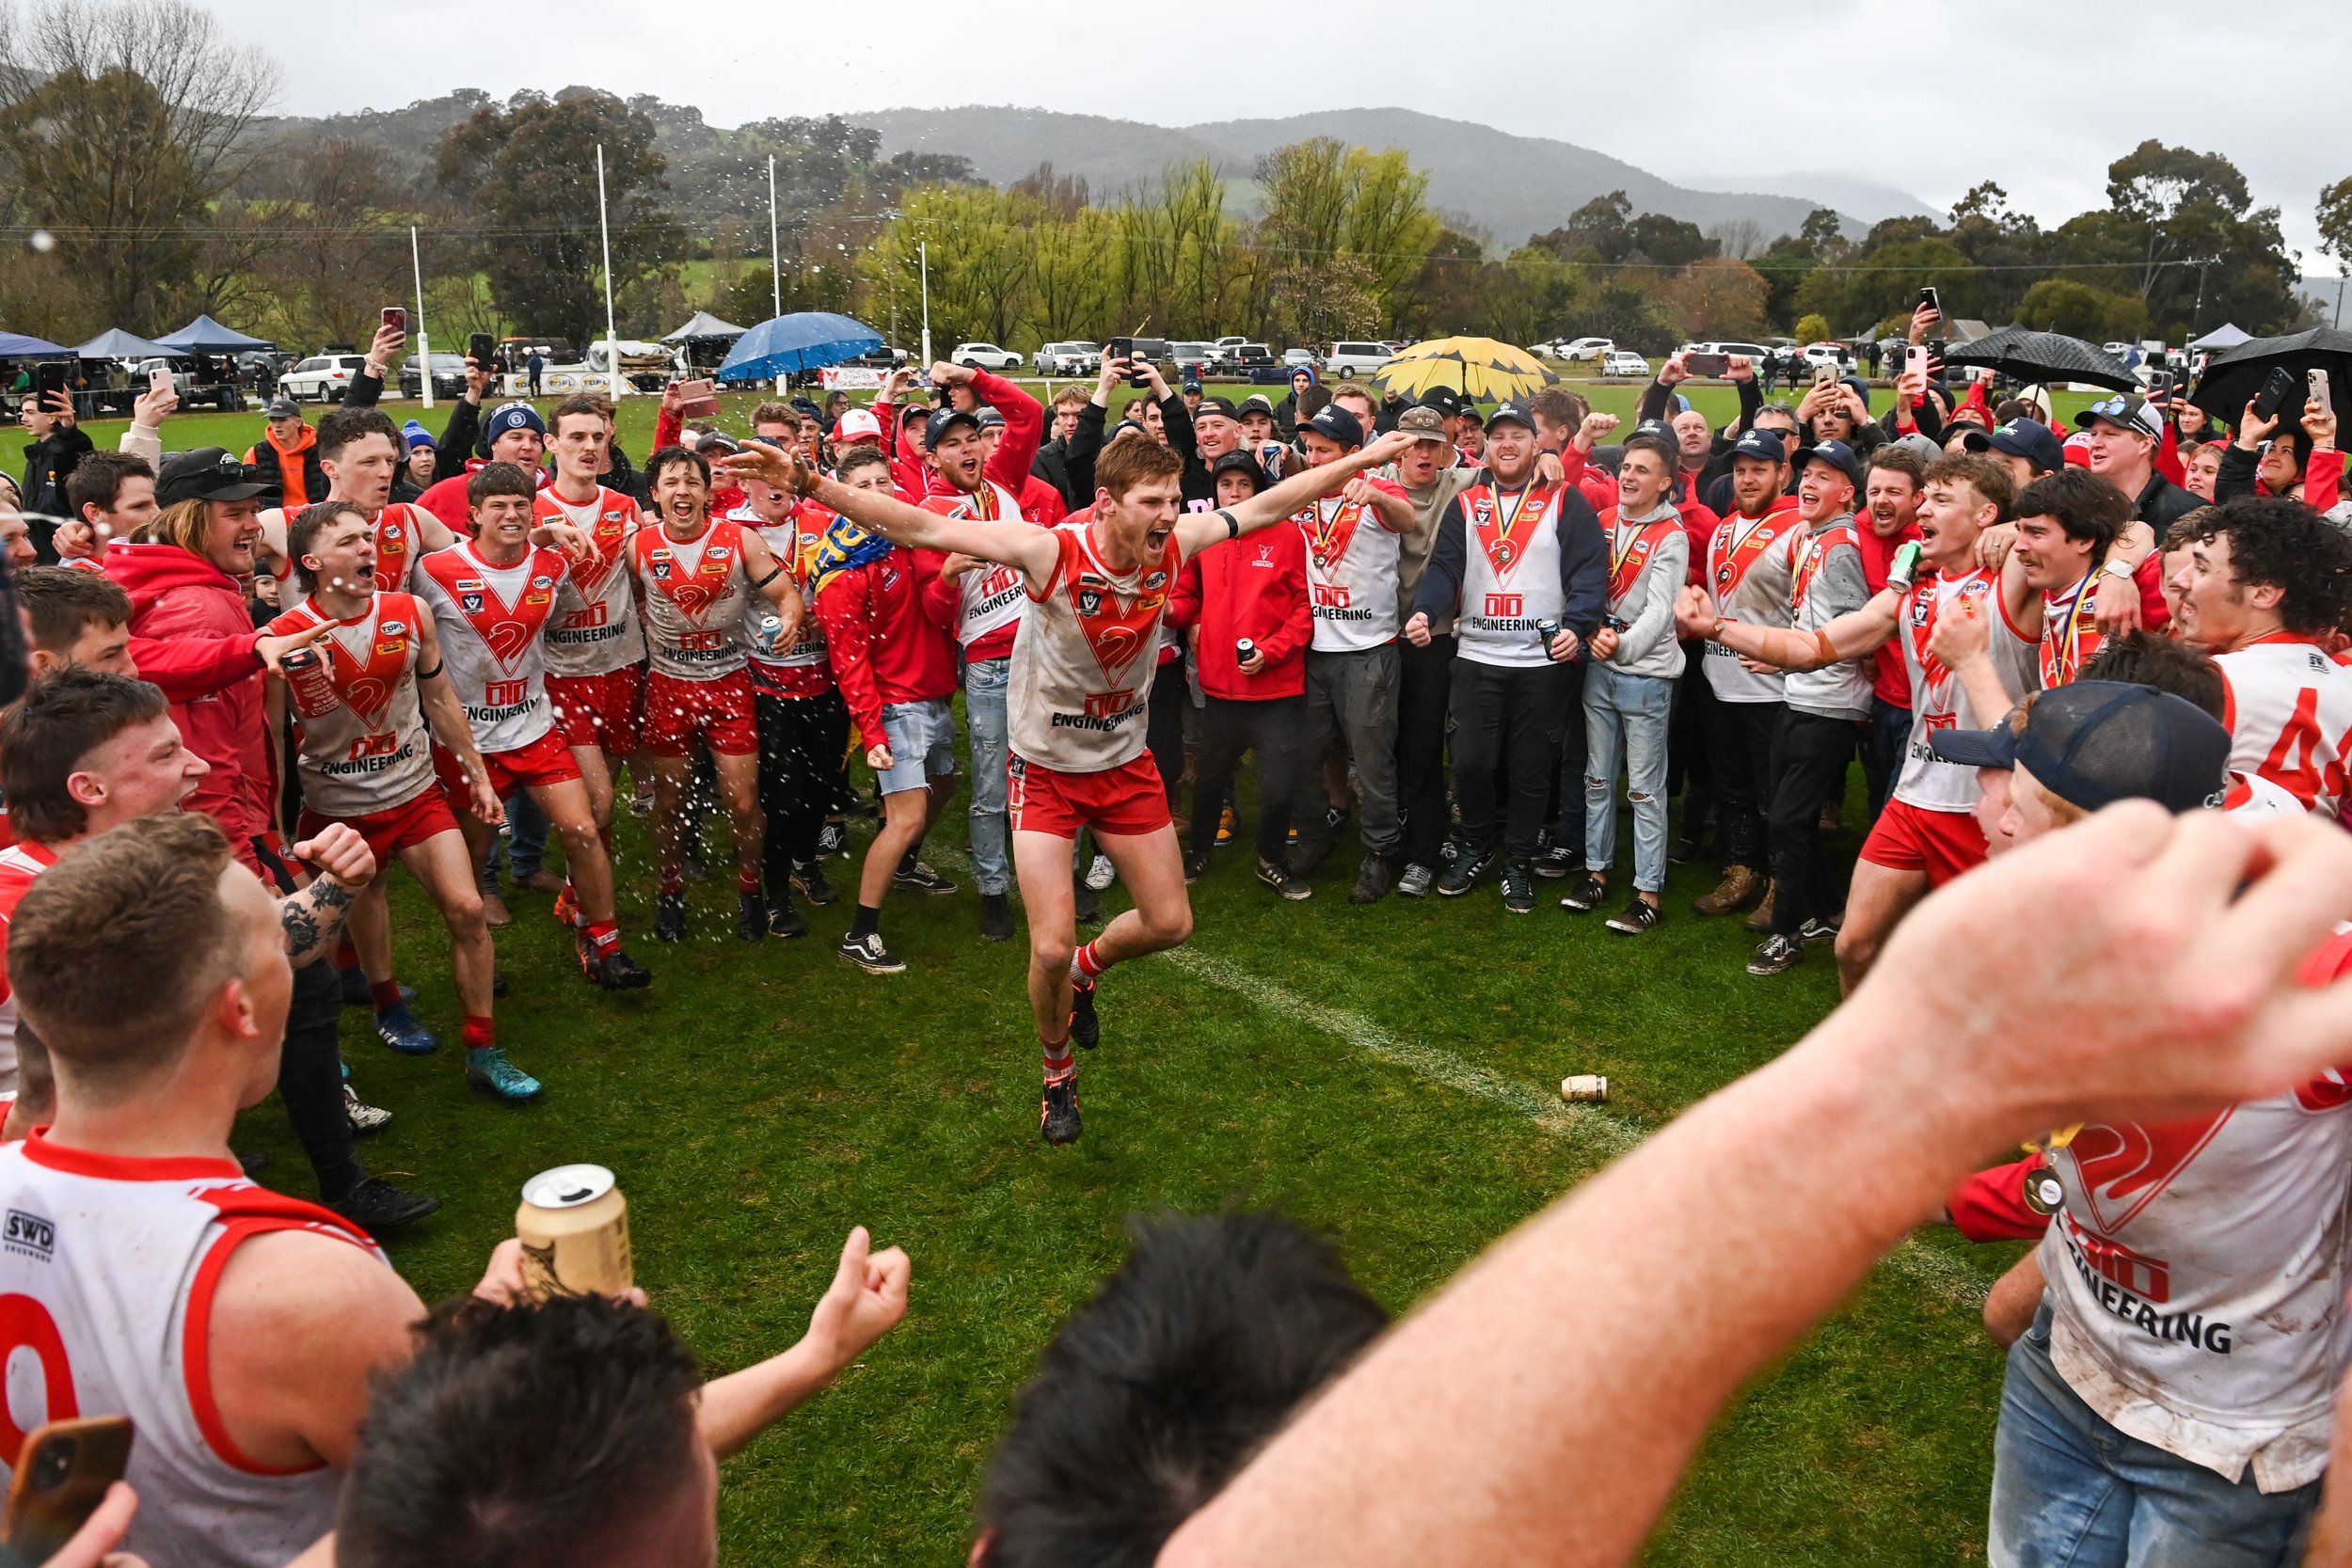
[1481, 369]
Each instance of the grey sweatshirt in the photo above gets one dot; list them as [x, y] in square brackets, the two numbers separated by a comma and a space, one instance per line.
[1647, 646]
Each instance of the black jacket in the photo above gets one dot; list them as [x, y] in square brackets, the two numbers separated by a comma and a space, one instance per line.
[1584, 563]
[2161, 503]
[1052, 465]
[48, 462]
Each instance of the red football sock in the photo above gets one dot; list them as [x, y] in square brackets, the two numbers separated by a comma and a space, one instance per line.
[1057, 1066]
[385, 995]
[674, 882]
[481, 1032]
[605, 935]
[346, 955]
[1086, 964]
[746, 882]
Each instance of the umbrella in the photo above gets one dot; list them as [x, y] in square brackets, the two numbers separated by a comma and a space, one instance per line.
[115, 343]
[2228, 335]
[1481, 369]
[2023, 354]
[2232, 379]
[800, 342]
[704, 326]
[207, 336]
[18, 345]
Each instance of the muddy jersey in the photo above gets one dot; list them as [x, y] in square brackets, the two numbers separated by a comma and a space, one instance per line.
[802, 669]
[1510, 574]
[1751, 569]
[695, 595]
[1083, 665]
[1937, 700]
[992, 595]
[596, 629]
[492, 622]
[365, 751]
[2288, 703]
[1826, 581]
[399, 540]
[1353, 563]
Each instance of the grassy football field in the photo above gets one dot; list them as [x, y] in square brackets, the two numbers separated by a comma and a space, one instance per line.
[1387, 1074]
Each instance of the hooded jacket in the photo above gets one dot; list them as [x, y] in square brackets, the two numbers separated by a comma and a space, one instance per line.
[300, 480]
[1255, 587]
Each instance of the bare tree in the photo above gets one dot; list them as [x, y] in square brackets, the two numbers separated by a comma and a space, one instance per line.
[1738, 238]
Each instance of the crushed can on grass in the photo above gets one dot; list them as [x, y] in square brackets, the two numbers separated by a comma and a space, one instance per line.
[1585, 1088]
[573, 1227]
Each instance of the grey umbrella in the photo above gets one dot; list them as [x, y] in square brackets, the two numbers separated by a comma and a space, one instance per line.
[2023, 354]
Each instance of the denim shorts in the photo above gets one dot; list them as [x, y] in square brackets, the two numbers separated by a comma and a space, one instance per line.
[922, 744]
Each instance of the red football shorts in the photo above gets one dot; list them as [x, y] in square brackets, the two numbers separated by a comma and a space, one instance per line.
[1943, 843]
[1127, 801]
[388, 832]
[599, 711]
[545, 761]
[721, 711]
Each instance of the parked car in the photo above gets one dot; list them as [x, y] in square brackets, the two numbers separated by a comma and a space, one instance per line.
[1828, 353]
[1076, 357]
[1583, 348]
[449, 376]
[1227, 345]
[1255, 363]
[1194, 360]
[1623, 361]
[884, 359]
[1349, 361]
[321, 378]
[1294, 357]
[985, 356]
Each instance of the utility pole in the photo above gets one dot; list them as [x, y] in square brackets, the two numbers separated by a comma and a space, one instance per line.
[923, 258]
[611, 338]
[775, 252]
[424, 343]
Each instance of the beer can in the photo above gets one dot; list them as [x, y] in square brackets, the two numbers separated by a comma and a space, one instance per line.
[1243, 648]
[1585, 1088]
[1546, 631]
[573, 1227]
[309, 682]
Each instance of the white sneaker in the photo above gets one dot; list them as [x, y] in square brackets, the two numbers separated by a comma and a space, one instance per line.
[1101, 874]
[364, 1120]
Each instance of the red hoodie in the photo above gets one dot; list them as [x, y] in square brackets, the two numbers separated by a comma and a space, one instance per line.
[883, 648]
[1255, 587]
[1008, 465]
[179, 597]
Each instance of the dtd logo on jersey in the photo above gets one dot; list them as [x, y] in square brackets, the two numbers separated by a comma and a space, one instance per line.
[29, 1236]
[1330, 595]
[1109, 705]
[1506, 607]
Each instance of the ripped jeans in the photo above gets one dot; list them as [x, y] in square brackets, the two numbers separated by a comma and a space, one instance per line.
[1625, 726]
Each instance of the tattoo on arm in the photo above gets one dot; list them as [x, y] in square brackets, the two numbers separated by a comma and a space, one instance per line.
[312, 918]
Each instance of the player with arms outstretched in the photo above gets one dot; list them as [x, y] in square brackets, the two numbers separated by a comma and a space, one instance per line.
[1082, 670]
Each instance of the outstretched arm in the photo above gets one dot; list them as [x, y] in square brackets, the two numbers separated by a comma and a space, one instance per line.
[1850, 636]
[1030, 548]
[1197, 530]
[867, 1297]
[450, 727]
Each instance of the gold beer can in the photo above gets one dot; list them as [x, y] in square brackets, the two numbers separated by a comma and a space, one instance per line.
[573, 1227]
[1585, 1088]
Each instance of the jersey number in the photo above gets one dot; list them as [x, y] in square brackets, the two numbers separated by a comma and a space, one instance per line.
[2299, 764]
[30, 1343]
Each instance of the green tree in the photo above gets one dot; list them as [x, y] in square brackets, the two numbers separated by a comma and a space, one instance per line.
[2335, 232]
[2079, 310]
[1600, 231]
[1717, 297]
[1886, 282]
[1812, 330]
[1325, 201]
[2197, 249]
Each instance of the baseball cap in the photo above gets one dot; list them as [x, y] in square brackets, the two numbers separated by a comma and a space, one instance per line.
[1836, 454]
[1191, 384]
[1918, 445]
[1423, 423]
[717, 441]
[2033, 442]
[945, 420]
[416, 435]
[2093, 743]
[1765, 444]
[1445, 400]
[1337, 424]
[511, 415]
[2126, 411]
[914, 411]
[1238, 463]
[991, 420]
[206, 474]
[283, 408]
[1514, 411]
[1219, 405]
[1256, 403]
[858, 424]
[1975, 437]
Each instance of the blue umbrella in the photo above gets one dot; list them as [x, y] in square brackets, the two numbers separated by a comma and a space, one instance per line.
[17, 346]
[800, 342]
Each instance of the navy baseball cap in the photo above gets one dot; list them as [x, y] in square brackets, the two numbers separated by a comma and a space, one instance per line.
[1513, 411]
[1239, 463]
[1218, 405]
[2093, 743]
[2033, 442]
[512, 416]
[1836, 454]
[1766, 444]
[1191, 384]
[1337, 424]
[945, 420]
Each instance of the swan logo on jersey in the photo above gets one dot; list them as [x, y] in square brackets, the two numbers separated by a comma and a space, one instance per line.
[29, 1236]
[2123, 1166]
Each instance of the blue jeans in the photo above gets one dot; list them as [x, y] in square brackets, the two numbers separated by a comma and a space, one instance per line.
[984, 715]
[522, 848]
[2070, 1491]
[1626, 718]
[1882, 744]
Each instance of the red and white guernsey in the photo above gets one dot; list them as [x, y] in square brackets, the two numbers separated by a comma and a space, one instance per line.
[399, 540]
[1937, 700]
[19, 863]
[695, 595]
[993, 594]
[2196, 1275]
[492, 621]
[368, 753]
[1352, 577]
[1751, 569]
[2070, 631]
[1511, 574]
[1082, 668]
[596, 630]
[2288, 703]
[107, 1269]
[802, 670]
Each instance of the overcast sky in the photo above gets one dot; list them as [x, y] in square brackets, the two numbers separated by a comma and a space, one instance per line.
[1926, 96]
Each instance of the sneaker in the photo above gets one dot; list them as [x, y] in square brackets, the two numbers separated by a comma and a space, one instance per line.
[566, 907]
[1759, 919]
[1282, 879]
[1555, 862]
[1463, 874]
[1777, 954]
[870, 955]
[398, 1028]
[1587, 895]
[1740, 889]
[1371, 879]
[996, 917]
[808, 880]
[1057, 1117]
[833, 839]
[1196, 866]
[1639, 916]
[1227, 823]
[915, 877]
[378, 1207]
[1085, 1024]
[490, 1069]
[669, 917]
[750, 916]
[495, 914]
[1415, 882]
[1819, 930]
[784, 916]
[1086, 905]
[614, 971]
[1519, 888]
[366, 1120]
[1101, 873]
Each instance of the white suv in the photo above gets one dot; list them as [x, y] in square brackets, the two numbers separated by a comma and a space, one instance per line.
[1348, 361]
[1076, 357]
[986, 356]
[322, 378]
[1582, 348]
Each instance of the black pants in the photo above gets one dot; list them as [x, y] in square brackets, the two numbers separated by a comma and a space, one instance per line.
[311, 1062]
[1809, 761]
[800, 741]
[1424, 687]
[1275, 730]
[1171, 699]
[1565, 810]
[1505, 711]
[1739, 741]
[1884, 740]
[1690, 769]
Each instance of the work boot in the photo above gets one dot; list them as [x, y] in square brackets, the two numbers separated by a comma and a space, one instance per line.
[1740, 889]
[1760, 919]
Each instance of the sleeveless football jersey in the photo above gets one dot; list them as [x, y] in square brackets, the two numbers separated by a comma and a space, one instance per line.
[802, 670]
[994, 596]
[1937, 700]
[1751, 569]
[1510, 574]
[367, 752]
[695, 595]
[596, 628]
[492, 621]
[18, 864]
[2070, 631]
[108, 1265]
[2288, 703]
[1083, 666]
[1843, 687]
[1352, 564]
[397, 543]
